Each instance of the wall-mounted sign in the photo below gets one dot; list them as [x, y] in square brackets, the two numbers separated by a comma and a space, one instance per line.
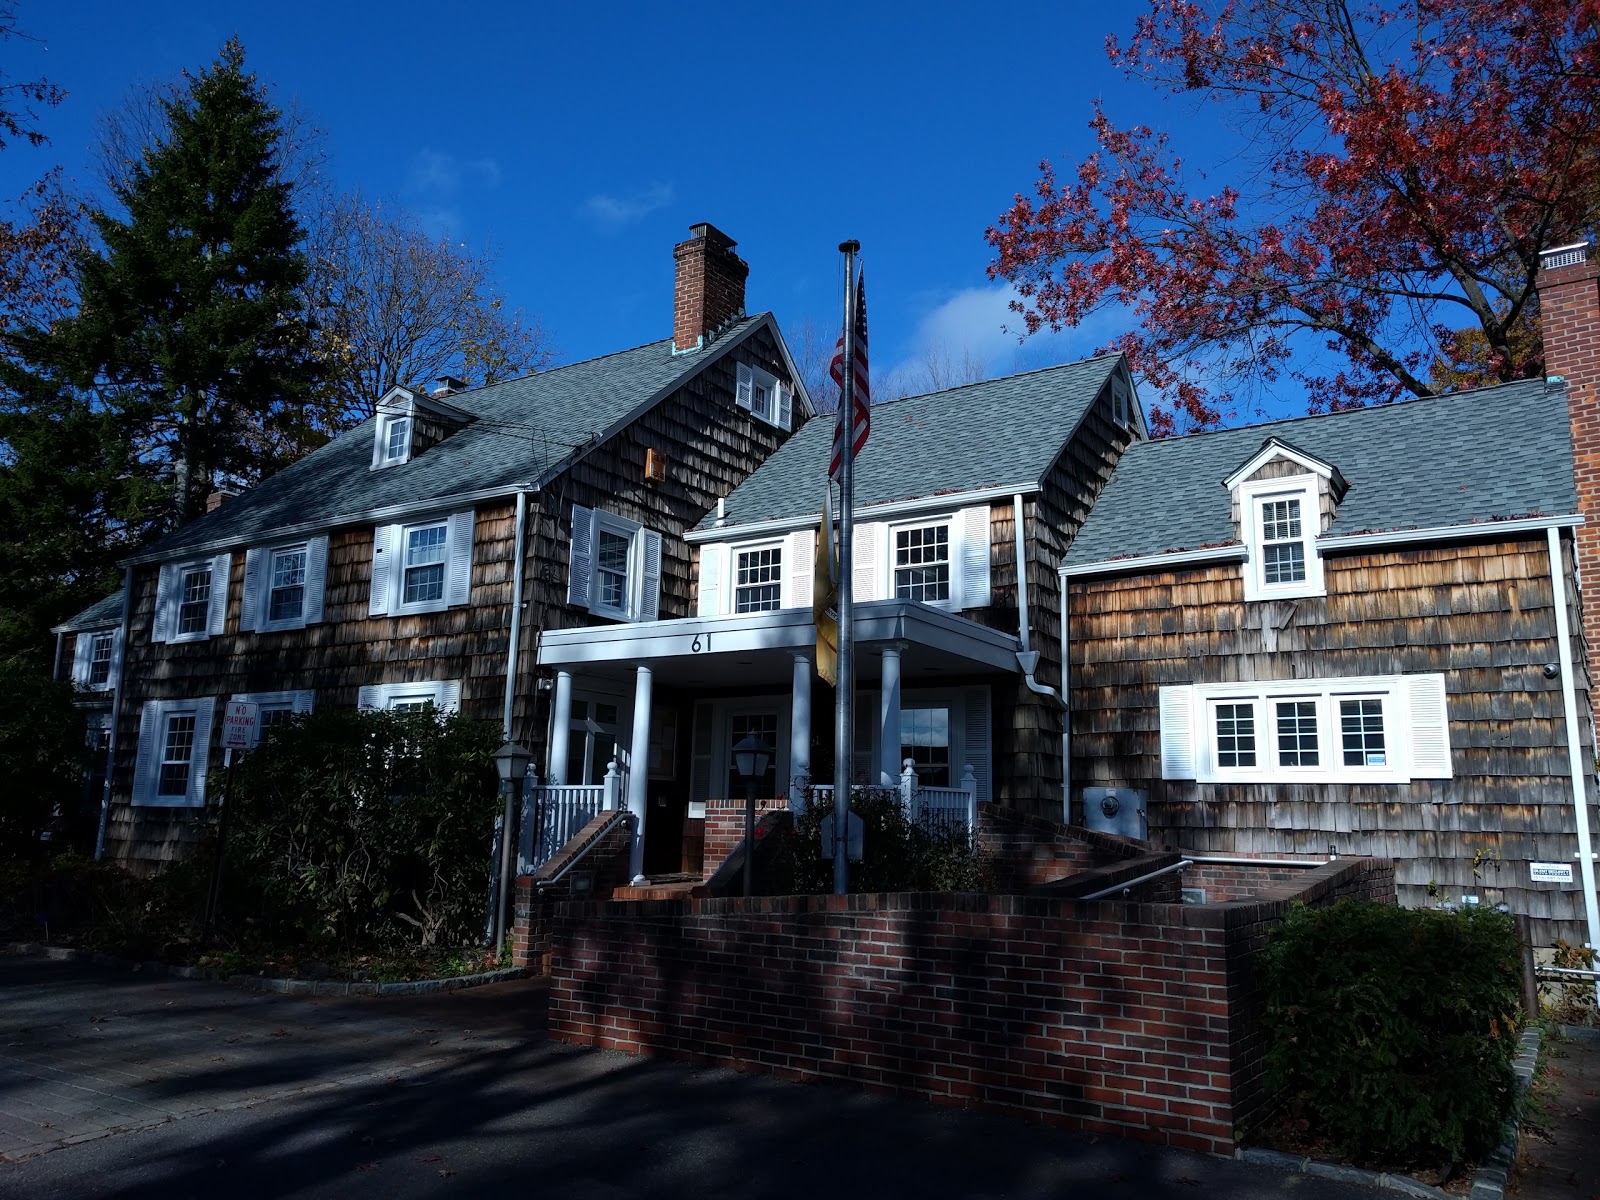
[241, 725]
[1550, 872]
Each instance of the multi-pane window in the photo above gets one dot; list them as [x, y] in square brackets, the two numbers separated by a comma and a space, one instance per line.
[1283, 548]
[100, 659]
[1236, 735]
[194, 600]
[398, 439]
[425, 551]
[758, 582]
[177, 753]
[1361, 730]
[591, 741]
[1297, 733]
[410, 704]
[922, 563]
[286, 596]
[765, 727]
[925, 740]
[611, 569]
[761, 399]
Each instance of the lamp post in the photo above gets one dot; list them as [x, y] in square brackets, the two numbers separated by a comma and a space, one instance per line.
[511, 764]
[751, 757]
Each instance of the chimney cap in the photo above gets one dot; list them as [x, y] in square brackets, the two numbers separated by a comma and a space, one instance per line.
[708, 231]
[449, 385]
[1564, 256]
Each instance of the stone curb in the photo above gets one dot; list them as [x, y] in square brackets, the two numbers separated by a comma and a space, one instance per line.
[261, 983]
[1488, 1181]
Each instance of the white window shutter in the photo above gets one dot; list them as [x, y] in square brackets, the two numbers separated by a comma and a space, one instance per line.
[975, 741]
[163, 624]
[380, 441]
[250, 602]
[316, 578]
[449, 696]
[799, 568]
[204, 711]
[1180, 745]
[1428, 716]
[304, 702]
[712, 569]
[744, 393]
[114, 679]
[147, 762]
[582, 569]
[371, 696]
[221, 569]
[385, 566]
[973, 530]
[700, 753]
[82, 655]
[649, 607]
[867, 569]
[458, 584]
[785, 406]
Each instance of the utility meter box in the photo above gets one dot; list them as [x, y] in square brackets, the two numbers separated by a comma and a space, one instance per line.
[1116, 810]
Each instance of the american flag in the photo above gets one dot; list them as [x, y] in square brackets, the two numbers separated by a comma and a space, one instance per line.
[863, 396]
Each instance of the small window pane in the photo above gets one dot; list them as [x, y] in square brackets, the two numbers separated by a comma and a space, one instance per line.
[1297, 733]
[605, 714]
[1280, 520]
[1361, 726]
[925, 739]
[758, 586]
[611, 569]
[194, 607]
[426, 549]
[922, 563]
[1283, 563]
[176, 755]
[1283, 548]
[765, 727]
[399, 438]
[287, 596]
[1236, 735]
[100, 660]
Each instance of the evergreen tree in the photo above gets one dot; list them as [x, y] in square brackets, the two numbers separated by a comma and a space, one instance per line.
[189, 329]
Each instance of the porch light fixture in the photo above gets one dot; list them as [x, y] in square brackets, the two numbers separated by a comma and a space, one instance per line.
[511, 764]
[750, 758]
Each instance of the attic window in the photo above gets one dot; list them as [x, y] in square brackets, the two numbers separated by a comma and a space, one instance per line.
[397, 440]
[1281, 519]
[764, 396]
[1121, 402]
[392, 440]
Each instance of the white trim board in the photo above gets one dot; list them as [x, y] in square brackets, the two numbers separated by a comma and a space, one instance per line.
[943, 503]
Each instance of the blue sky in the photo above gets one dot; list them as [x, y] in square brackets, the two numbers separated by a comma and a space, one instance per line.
[581, 140]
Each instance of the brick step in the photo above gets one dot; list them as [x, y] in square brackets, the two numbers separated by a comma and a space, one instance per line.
[682, 890]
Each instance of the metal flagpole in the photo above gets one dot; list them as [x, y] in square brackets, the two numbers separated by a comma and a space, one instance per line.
[845, 689]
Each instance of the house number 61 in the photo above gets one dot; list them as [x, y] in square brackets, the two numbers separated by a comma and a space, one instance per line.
[695, 646]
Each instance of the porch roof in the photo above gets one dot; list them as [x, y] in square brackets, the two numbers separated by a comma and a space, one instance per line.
[757, 647]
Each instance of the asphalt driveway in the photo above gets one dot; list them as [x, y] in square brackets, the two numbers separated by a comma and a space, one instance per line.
[117, 1085]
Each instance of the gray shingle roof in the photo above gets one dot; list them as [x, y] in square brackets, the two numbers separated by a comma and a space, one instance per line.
[98, 615]
[1492, 454]
[1001, 432]
[522, 430]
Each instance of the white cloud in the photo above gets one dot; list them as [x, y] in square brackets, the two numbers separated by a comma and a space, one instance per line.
[613, 212]
[440, 174]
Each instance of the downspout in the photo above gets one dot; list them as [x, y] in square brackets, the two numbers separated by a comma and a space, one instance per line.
[1569, 704]
[1028, 657]
[55, 667]
[1066, 706]
[116, 717]
[508, 819]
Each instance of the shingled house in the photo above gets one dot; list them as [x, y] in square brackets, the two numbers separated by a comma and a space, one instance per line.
[1352, 634]
[417, 559]
[957, 651]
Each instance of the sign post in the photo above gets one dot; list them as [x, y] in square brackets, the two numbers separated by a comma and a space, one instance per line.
[241, 730]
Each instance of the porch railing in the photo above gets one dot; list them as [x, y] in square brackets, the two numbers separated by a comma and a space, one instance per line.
[553, 814]
[947, 806]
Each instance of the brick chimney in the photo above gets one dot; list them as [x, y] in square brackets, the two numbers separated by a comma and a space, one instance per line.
[1569, 319]
[708, 291]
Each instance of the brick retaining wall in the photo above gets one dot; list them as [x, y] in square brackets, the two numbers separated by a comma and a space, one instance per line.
[724, 829]
[1222, 882]
[593, 864]
[1132, 1019]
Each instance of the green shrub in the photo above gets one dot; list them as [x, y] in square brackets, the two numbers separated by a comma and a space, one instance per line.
[101, 905]
[898, 854]
[42, 759]
[1393, 1029]
[364, 829]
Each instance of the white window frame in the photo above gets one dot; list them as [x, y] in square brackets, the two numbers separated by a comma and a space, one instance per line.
[393, 411]
[1253, 497]
[256, 607]
[1326, 694]
[291, 702]
[155, 720]
[443, 694]
[387, 595]
[83, 658]
[402, 606]
[641, 588]
[169, 599]
[778, 410]
[738, 551]
[953, 561]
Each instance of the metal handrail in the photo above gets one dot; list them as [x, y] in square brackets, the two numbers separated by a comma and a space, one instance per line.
[1130, 884]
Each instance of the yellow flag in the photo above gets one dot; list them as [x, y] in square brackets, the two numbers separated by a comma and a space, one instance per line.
[825, 597]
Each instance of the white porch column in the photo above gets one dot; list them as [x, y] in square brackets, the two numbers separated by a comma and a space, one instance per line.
[639, 771]
[560, 725]
[800, 732]
[889, 730]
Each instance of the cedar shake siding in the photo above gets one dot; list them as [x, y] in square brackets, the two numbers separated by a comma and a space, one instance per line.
[1479, 612]
[709, 445]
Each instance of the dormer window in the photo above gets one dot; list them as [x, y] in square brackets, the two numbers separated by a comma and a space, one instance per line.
[1280, 521]
[397, 421]
[397, 440]
[764, 396]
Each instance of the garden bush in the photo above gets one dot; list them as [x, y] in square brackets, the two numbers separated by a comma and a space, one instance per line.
[1392, 1029]
[898, 854]
[42, 759]
[360, 829]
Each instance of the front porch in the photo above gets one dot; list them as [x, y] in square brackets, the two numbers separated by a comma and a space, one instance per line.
[644, 715]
